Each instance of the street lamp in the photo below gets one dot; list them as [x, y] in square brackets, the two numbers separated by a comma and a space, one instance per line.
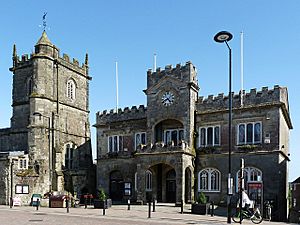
[50, 144]
[225, 36]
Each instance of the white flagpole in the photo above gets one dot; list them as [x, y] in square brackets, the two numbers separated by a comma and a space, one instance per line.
[242, 69]
[154, 64]
[117, 88]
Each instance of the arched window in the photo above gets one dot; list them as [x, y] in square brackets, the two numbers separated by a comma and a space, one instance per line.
[69, 156]
[209, 180]
[29, 86]
[251, 174]
[71, 88]
[148, 180]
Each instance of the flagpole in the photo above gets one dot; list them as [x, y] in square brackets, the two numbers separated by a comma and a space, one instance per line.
[117, 88]
[154, 64]
[242, 69]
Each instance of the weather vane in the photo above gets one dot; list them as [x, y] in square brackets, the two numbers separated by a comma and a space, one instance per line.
[44, 21]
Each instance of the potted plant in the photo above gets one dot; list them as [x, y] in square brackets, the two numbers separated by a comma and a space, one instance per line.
[201, 206]
[102, 200]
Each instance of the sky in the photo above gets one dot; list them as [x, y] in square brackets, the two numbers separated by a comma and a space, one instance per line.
[131, 31]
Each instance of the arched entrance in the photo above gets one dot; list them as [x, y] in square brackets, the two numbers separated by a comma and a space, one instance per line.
[116, 186]
[171, 186]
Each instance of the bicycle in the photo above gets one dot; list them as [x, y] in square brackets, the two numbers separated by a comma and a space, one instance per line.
[254, 216]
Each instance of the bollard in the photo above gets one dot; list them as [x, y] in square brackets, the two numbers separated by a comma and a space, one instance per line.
[149, 210]
[37, 204]
[181, 205]
[67, 203]
[104, 206]
[128, 202]
[212, 208]
[153, 205]
[85, 201]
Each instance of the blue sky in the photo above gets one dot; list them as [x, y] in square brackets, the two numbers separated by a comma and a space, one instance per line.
[130, 31]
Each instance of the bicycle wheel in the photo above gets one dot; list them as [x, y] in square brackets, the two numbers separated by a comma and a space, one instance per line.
[236, 216]
[256, 218]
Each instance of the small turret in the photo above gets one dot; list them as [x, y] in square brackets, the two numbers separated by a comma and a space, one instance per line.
[86, 63]
[45, 47]
[15, 56]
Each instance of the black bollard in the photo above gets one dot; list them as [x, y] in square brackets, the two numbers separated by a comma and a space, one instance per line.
[37, 204]
[153, 210]
[104, 206]
[85, 201]
[67, 203]
[149, 210]
[212, 209]
[181, 205]
[128, 203]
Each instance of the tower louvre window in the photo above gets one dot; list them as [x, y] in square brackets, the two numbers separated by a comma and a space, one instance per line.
[71, 88]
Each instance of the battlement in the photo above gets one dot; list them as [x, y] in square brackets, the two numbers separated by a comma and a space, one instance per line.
[264, 96]
[186, 73]
[74, 63]
[122, 115]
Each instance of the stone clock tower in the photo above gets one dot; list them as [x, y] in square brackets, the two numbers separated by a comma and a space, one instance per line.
[171, 96]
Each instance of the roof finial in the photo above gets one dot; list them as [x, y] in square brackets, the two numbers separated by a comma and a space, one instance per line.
[86, 59]
[44, 21]
[15, 57]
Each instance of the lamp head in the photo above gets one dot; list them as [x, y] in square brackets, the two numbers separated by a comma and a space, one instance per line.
[223, 36]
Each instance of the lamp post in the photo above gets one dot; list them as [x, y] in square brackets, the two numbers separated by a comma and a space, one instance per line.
[225, 36]
[50, 144]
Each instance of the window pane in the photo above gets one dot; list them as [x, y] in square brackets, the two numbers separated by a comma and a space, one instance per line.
[217, 135]
[137, 139]
[257, 132]
[174, 137]
[120, 143]
[115, 143]
[143, 139]
[181, 135]
[203, 180]
[168, 137]
[210, 136]
[241, 134]
[202, 137]
[249, 133]
[110, 144]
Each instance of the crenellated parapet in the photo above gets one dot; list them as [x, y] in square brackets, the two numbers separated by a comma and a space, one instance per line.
[133, 113]
[186, 73]
[277, 95]
[74, 64]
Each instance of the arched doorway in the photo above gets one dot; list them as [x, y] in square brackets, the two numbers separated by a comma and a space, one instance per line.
[171, 186]
[116, 186]
[188, 186]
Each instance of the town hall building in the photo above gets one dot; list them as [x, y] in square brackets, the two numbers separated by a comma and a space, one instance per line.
[177, 146]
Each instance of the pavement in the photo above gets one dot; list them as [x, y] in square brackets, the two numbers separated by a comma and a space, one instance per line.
[116, 215]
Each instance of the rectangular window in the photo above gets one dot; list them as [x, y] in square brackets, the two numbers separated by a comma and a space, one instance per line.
[209, 136]
[249, 133]
[140, 139]
[22, 164]
[173, 136]
[115, 143]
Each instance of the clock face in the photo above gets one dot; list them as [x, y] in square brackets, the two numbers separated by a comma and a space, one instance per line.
[168, 98]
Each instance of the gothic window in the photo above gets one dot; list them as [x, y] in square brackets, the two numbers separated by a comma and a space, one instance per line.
[140, 139]
[148, 180]
[249, 133]
[251, 174]
[115, 143]
[71, 88]
[209, 136]
[209, 180]
[69, 156]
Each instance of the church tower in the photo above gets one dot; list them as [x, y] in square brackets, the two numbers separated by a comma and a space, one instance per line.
[51, 115]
